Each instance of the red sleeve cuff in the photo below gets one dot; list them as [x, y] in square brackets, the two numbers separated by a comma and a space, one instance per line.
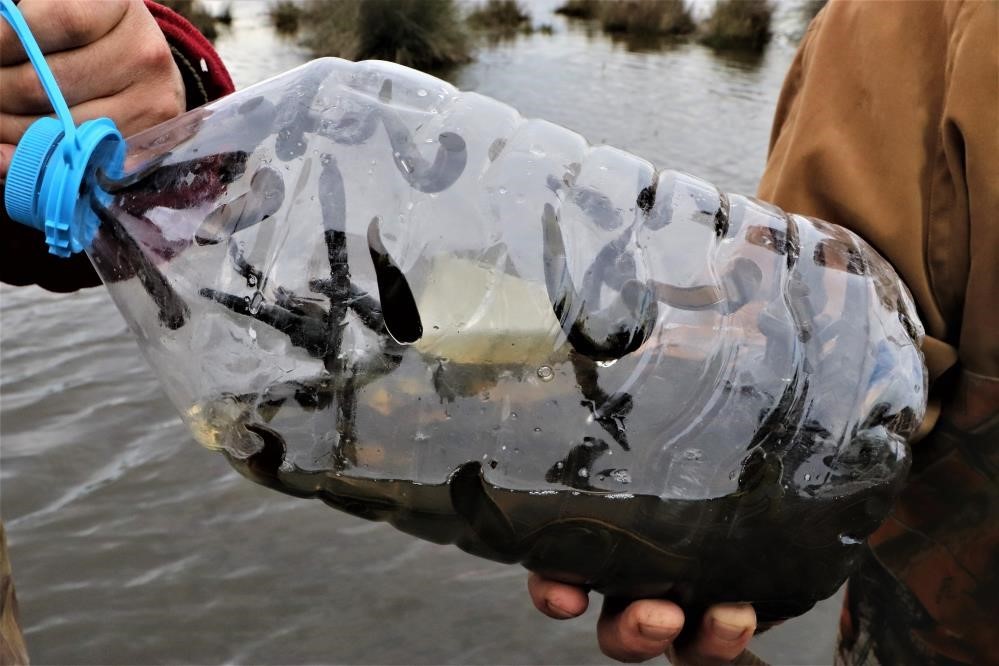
[205, 77]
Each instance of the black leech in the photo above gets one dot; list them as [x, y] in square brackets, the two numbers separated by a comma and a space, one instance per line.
[263, 200]
[295, 117]
[722, 216]
[448, 165]
[402, 317]
[647, 197]
[576, 469]
[607, 410]
[570, 306]
[333, 205]
[173, 311]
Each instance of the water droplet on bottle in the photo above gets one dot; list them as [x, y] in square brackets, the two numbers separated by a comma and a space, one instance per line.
[559, 465]
[493, 464]
[808, 477]
[421, 93]
[502, 190]
[420, 436]
[537, 151]
[545, 373]
[583, 473]
[607, 364]
[252, 333]
[693, 454]
[537, 430]
[254, 305]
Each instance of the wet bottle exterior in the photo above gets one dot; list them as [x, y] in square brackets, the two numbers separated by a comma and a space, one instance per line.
[362, 285]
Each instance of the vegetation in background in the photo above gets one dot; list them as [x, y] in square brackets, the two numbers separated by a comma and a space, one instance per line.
[581, 9]
[638, 17]
[739, 24]
[504, 15]
[285, 16]
[424, 34]
[225, 18]
[647, 17]
[199, 17]
[430, 34]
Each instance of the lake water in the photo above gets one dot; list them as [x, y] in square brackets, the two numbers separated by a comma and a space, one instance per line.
[131, 544]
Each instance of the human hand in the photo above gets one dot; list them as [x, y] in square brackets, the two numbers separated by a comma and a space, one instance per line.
[647, 628]
[109, 57]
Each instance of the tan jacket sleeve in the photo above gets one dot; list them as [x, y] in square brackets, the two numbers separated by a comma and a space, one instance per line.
[888, 124]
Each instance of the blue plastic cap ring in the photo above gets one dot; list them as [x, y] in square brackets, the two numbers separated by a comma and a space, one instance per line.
[24, 177]
[50, 184]
[45, 183]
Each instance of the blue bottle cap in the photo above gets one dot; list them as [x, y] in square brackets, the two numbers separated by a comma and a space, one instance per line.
[54, 157]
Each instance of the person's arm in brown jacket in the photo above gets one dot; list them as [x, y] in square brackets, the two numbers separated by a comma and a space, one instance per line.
[888, 124]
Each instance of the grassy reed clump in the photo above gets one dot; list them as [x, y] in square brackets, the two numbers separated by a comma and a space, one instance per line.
[499, 15]
[285, 16]
[581, 9]
[225, 18]
[647, 17]
[424, 34]
[196, 13]
[739, 24]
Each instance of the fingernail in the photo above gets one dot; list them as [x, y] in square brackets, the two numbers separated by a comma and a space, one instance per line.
[558, 610]
[656, 632]
[728, 632]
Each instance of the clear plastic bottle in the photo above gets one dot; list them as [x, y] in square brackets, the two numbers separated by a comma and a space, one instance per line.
[362, 285]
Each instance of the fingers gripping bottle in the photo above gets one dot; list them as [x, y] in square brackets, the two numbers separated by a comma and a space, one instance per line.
[362, 285]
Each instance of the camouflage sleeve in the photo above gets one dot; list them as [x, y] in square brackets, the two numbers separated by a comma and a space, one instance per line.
[928, 589]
